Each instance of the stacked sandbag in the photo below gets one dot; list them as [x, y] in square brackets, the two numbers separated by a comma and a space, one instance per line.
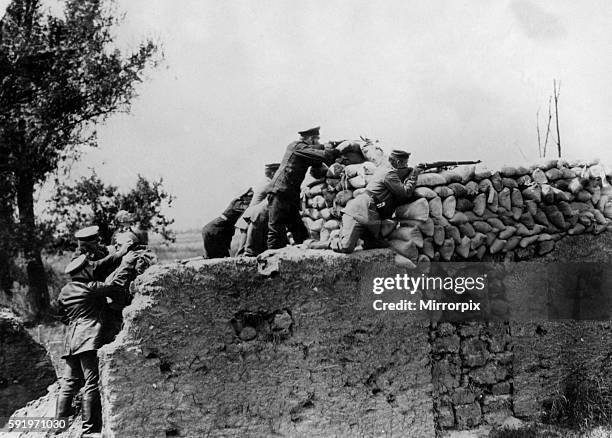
[323, 199]
[521, 211]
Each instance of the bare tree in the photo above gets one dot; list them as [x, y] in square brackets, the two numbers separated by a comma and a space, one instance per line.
[557, 92]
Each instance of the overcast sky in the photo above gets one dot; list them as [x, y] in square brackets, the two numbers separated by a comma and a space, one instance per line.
[445, 79]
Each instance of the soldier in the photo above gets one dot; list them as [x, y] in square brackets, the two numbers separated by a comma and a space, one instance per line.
[103, 262]
[83, 301]
[217, 234]
[127, 222]
[260, 192]
[88, 242]
[364, 217]
[284, 197]
[135, 259]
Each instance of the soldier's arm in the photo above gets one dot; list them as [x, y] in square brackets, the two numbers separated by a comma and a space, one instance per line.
[105, 289]
[401, 191]
[326, 156]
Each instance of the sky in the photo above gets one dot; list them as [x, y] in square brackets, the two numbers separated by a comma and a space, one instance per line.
[444, 79]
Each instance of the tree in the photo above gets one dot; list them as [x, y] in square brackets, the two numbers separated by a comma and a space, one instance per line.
[89, 201]
[59, 76]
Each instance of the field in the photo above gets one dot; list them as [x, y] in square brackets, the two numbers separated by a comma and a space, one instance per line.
[188, 244]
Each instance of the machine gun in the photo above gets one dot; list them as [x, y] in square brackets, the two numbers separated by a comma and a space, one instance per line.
[445, 165]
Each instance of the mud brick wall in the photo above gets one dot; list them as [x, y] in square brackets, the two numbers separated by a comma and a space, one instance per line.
[214, 349]
[25, 369]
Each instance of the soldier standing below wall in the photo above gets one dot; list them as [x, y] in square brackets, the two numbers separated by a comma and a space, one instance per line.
[217, 234]
[364, 216]
[83, 301]
[103, 262]
[88, 242]
[284, 197]
[127, 222]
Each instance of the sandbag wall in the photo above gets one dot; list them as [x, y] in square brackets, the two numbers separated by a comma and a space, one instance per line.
[471, 211]
[324, 198]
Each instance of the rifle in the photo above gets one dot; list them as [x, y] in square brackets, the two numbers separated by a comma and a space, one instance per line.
[444, 165]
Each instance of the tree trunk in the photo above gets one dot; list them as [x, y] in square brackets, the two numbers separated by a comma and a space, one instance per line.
[6, 228]
[38, 292]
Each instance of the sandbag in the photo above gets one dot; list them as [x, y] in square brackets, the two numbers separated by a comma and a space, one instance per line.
[496, 181]
[452, 232]
[404, 262]
[463, 249]
[417, 210]
[373, 153]
[430, 179]
[510, 183]
[444, 191]
[504, 199]
[406, 248]
[332, 224]
[427, 227]
[435, 207]
[480, 203]
[481, 172]
[471, 188]
[335, 170]
[458, 218]
[408, 234]
[358, 181]
[451, 176]
[425, 192]
[343, 197]
[485, 186]
[448, 207]
[447, 249]
[464, 204]
[317, 225]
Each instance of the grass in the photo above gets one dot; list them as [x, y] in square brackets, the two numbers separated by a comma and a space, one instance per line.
[188, 244]
[585, 401]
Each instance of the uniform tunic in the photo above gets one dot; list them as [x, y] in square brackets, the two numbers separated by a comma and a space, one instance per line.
[362, 215]
[284, 201]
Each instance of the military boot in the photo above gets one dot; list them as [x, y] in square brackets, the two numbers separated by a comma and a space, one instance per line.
[92, 415]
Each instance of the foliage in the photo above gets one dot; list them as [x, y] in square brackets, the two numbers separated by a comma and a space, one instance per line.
[90, 201]
[59, 76]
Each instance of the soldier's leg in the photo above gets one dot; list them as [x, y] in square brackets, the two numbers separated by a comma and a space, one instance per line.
[92, 408]
[72, 380]
[372, 239]
[278, 211]
[350, 233]
[296, 225]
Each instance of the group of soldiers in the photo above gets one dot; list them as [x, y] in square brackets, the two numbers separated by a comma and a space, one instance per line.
[259, 219]
[92, 303]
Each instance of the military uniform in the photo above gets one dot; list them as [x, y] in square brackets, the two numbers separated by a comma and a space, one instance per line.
[83, 301]
[217, 234]
[362, 217]
[284, 197]
[260, 193]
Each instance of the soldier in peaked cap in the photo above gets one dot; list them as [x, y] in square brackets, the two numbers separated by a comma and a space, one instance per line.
[88, 242]
[83, 300]
[284, 197]
[367, 215]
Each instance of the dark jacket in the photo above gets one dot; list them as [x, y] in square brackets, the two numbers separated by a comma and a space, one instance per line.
[217, 234]
[83, 304]
[296, 161]
[388, 188]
